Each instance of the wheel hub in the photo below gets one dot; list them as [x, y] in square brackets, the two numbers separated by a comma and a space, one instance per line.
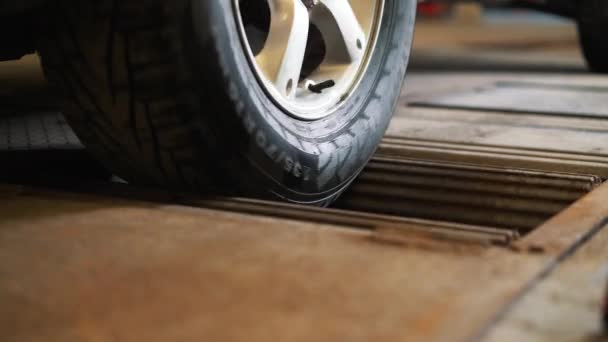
[309, 55]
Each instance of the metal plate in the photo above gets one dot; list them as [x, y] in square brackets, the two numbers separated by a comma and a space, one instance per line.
[37, 131]
[529, 98]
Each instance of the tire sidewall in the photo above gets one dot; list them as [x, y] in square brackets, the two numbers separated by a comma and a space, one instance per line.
[305, 162]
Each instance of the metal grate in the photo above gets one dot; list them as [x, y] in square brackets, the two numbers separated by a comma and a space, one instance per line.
[37, 131]
[507, 198]
[395, 197]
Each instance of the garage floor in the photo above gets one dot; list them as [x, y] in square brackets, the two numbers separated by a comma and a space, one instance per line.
[481, 217]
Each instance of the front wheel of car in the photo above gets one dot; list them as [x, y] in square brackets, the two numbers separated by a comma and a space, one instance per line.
[279, 99]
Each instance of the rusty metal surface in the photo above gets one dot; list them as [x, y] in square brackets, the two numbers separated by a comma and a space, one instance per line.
[100, 268]
[107, 269]
[566, 305]
[563, 301]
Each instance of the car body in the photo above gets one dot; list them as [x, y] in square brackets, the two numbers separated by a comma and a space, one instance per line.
[566, 8]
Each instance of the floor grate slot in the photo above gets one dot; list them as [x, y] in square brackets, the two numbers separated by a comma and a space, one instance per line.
[497, 156]
[512, 199]
[364, 220]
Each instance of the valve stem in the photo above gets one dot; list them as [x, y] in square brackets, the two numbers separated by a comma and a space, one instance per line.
[319, 87]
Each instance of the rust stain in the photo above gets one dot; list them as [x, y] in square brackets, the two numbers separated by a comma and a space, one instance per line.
[427, 241]
[427, 323]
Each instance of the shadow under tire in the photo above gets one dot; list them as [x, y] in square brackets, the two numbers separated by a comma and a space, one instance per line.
[162, 93]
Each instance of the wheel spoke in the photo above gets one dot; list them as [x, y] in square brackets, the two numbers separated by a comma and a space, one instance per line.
[310, 55]
[282, 57]
[349, 29]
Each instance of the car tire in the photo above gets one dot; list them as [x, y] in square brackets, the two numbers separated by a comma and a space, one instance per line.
[163, 93]
[593, 31]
